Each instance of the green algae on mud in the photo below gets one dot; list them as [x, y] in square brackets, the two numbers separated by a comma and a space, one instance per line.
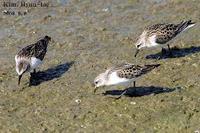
[96, 35]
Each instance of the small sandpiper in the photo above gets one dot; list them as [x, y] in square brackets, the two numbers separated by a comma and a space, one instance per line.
[122, 75]
[161, 34]
[31, 56]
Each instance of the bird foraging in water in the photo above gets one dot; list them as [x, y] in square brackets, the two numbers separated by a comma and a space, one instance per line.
[30, 57]
[160, 35]
[122, 75]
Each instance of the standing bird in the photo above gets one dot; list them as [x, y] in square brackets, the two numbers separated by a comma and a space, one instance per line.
[31, 56]
[122, 75]
[160, 34]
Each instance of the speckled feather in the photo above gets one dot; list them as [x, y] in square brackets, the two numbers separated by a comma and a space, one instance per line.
[37, 49]
[130, 71]
[166, 32]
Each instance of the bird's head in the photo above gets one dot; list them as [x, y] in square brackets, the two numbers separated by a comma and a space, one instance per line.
[99, 81]
[139, 45]
[47, 38]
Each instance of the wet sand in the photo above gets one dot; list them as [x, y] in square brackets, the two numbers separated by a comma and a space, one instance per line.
[88, 37]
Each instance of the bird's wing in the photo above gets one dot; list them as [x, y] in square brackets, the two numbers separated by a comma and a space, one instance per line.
[34, 50]
[40, 49]
[163, 32]
[154, 27]
[27, 51]
[119, 67]
[128, 71]
[131, 71]
[166, 33]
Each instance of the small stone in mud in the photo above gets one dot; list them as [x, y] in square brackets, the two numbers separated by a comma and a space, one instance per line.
[162, 100]
[105, 9]
[133, 103]
[47, 17]
[101, 29]
[78, 101]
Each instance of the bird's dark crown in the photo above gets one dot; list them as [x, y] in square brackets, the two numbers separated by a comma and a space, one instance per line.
[47, 38]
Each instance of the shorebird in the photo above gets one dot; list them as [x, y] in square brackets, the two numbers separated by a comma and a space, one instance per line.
[160, 35]
[30, 57]
[122, 75]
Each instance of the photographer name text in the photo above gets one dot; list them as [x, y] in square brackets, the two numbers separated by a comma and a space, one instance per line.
[11, 7]
[25, 4]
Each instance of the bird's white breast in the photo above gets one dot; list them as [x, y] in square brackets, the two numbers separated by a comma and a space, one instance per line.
[114, 79]
[16, 59]
[35, 62]
[152, 41]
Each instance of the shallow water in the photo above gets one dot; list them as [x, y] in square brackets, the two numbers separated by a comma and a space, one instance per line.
[88, 37]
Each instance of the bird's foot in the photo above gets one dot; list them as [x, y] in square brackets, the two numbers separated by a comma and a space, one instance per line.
[33, 74]
[124, 92]
[34, 71]
[170, 54]
[159, 57]
[163, 51]
[175, 48]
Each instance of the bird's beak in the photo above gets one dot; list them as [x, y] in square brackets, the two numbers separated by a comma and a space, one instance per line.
[52, 41]
[137, 51]
[19, 79]
[95, 89]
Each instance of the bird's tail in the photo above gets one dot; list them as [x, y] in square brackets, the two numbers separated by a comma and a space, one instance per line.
[148, 68]
[184, 25]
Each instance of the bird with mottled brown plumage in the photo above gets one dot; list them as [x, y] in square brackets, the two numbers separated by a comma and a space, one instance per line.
[123, 74]
[30, 57]
[160, 34]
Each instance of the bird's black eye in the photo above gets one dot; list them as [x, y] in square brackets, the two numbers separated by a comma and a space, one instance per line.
[96, 82]
[138, 45]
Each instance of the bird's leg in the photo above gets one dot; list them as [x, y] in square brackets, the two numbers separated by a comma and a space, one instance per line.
[168, 47]
[170, 52]
[163, 51]
[34, 71]
[19, 79]
[134, 84]
[124, 92]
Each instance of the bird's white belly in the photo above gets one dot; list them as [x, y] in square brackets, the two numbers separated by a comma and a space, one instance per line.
[115, 80]
[35, 62]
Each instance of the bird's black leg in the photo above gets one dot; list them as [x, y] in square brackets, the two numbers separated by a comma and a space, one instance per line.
[163, 51]
[134, 83]
[34, 71]
[124, 92]
[170, 52]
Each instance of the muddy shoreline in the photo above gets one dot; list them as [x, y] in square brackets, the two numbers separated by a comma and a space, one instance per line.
[88, 37]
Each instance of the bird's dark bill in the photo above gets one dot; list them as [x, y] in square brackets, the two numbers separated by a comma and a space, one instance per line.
[95, 90]
[19, 79]
[137, 51]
